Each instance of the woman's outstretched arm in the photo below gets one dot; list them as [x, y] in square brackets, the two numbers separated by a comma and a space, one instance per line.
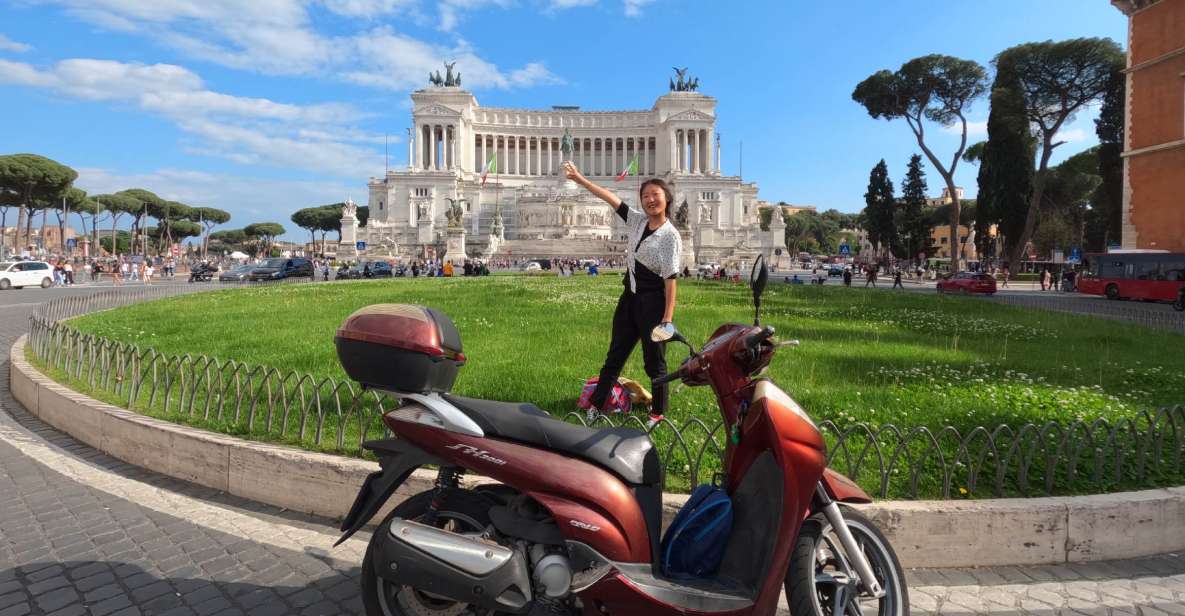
[605, 195]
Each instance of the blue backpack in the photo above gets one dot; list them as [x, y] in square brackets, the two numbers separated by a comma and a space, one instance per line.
[694, 543]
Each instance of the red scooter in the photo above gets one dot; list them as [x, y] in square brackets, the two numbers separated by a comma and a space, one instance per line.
[573, 524]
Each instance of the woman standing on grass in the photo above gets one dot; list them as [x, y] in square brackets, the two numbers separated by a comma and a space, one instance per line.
[648, 300]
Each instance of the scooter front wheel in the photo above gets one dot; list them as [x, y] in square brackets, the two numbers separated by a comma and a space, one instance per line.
[821, 580]
[461, 511]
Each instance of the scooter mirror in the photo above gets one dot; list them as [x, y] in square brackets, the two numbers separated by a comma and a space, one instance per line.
[663, 332]
[758, 277]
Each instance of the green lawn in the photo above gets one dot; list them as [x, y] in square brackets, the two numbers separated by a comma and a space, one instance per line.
[873, 356]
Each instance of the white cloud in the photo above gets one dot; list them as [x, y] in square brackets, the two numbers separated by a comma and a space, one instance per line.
[533, 73]
[633, 8]
[367, 8]
[278, 37]
[451, 10]
[569, 4]
[1071, 135]
[975, 130]
[397, 61]
[7, 44]
[248, 199]
[315, 137]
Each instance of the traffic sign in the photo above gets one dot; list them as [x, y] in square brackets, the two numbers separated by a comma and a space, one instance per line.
[71, 242]
[1075, 255]
[360, 245]
[845, 250]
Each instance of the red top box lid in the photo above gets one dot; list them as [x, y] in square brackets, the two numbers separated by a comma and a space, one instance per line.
[405, 326]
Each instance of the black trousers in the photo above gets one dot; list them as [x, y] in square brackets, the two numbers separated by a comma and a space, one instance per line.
[636, 314]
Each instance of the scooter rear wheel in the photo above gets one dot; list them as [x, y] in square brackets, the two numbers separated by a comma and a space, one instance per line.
[462, 511]
[821, 581]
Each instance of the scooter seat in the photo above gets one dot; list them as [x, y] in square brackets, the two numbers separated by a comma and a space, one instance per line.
[624, 451]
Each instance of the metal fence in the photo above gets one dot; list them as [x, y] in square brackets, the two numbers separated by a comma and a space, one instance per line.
[325, 413]
[1158, 316]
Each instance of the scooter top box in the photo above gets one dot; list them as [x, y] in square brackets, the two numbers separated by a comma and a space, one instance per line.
[400, 347]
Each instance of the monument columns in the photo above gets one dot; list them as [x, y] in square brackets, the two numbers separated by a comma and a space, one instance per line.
[421, 151]
[452, 147]
[411, 149]
[705, 153]
[431, 130]
[672, 148]
[682, 150]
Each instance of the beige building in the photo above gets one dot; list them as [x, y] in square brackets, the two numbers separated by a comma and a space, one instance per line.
[940, 240]
[53, 237]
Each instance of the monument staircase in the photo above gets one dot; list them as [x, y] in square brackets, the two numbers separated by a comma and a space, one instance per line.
[559, 249]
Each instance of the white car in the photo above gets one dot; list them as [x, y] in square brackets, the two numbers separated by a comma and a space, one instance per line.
[17, 274]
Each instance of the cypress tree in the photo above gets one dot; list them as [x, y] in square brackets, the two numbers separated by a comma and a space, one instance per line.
[914, 222]
[879, 206]
[1006, 173]
[1107, 210]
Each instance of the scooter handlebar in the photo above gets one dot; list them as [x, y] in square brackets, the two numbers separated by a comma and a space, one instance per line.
[668, 377]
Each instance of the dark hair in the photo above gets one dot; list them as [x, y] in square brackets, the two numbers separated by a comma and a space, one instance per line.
[665, 189]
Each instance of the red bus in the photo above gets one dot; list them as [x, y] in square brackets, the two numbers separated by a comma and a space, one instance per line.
[1134, 275]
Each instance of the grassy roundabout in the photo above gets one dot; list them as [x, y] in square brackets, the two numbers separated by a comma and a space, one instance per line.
[878, 357]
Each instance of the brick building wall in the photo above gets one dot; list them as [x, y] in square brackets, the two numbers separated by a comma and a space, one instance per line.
[1154, 152]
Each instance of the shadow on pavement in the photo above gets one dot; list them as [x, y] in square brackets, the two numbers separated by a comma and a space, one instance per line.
[90, 587]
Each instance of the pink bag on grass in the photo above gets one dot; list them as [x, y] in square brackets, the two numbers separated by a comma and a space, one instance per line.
[618, 400]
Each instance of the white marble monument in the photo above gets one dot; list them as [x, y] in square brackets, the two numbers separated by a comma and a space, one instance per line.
[527, 209]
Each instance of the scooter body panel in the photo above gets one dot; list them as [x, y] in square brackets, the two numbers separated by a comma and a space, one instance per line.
[590, 504]
[770, 424]
[616, 595]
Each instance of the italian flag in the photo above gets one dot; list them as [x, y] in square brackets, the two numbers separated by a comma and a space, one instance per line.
[491, 167]
[630, 169]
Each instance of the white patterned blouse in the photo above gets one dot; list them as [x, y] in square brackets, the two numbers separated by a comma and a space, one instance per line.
[650, 256]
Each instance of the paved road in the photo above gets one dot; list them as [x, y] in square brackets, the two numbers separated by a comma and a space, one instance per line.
[83, 533]
[1154, 314]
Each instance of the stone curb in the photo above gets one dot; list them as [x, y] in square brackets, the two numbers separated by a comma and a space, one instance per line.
[926, 534]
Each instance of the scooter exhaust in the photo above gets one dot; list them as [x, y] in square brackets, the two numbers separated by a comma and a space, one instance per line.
[456, 567]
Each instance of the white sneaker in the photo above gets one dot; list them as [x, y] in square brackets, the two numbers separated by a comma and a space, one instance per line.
[652, 421]
[591, 415]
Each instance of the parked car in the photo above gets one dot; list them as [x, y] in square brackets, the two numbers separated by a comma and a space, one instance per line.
[531, 266]
[967, 282]
[835, 270]
[380, 269]
[18, 274]
[237, 274]
[278, 268]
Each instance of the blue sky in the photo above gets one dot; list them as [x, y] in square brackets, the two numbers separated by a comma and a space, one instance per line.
[267, 106]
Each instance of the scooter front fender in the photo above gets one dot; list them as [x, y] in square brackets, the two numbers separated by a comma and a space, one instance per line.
[842, 489]
[398, 458]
